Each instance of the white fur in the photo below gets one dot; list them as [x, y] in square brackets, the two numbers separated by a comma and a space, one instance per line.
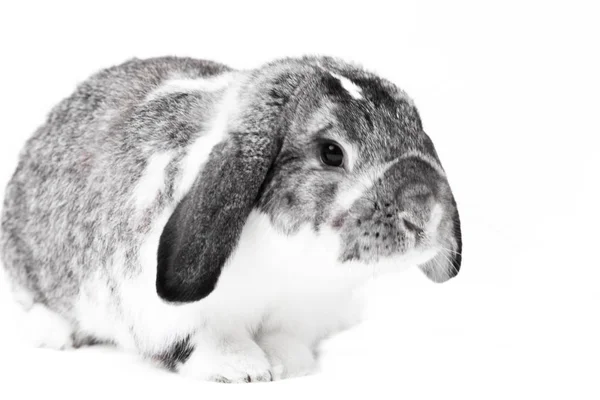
[45, 328]
[152, 180]
[288, 356]
[186, 85]
[21, 296]
[352, 88]
[200, 150]
[268, 269]
[226, 357]
[97, 313]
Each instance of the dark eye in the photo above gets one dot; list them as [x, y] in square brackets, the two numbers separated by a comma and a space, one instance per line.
[332, 154]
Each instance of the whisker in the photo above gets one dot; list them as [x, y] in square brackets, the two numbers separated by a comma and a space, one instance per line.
[450, 250]
[449, 260]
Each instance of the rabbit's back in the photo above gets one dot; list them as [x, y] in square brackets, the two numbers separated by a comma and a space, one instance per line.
[67, 207]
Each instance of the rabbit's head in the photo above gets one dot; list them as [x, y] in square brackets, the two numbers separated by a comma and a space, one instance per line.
[324, 144]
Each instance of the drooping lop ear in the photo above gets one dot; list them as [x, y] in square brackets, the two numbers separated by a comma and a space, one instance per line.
[204, 228]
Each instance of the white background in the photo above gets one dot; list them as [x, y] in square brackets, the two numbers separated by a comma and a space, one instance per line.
[509, 94]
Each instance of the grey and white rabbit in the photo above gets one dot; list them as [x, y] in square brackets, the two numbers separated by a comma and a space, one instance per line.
[218, 222]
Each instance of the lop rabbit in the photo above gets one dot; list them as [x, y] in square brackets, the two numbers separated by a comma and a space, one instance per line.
[216, 221]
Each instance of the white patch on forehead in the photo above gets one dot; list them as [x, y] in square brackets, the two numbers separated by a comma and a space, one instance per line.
[152, 180]
[185, 85]
[352, 88]
[346, 197]
[427, 158]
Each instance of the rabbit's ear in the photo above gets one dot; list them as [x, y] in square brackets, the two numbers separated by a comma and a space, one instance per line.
[204, 228]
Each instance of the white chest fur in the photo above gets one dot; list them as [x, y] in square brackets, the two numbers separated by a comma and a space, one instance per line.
[272, 282]
[294, 283]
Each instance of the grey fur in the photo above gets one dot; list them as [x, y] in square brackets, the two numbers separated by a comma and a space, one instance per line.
[77, 169]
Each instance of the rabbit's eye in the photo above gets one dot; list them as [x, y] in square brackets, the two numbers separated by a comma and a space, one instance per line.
[332, 154]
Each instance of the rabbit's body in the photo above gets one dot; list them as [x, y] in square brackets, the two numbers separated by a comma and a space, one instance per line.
[95, 195]
[92, 152]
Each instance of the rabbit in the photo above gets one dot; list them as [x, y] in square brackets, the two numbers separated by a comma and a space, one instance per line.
[220, 223]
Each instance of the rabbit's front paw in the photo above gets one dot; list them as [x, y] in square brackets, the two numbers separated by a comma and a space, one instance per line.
[45, 328]
[289, 356]
[228, 363]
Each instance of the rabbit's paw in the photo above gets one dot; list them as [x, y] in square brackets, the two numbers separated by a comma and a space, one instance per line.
[228, 363]
[289, 357]
[45, 328]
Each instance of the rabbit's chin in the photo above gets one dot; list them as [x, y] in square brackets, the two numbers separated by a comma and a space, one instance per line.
[307, 253]
[401, 262]
[304, 253]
